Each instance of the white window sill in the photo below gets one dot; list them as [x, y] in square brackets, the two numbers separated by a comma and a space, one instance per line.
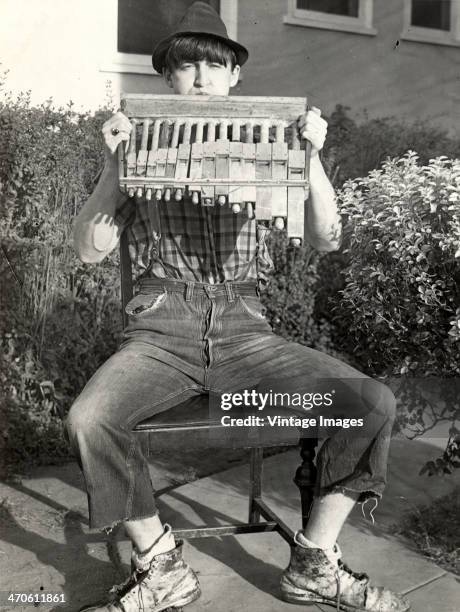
[132, 63]
[433, 37]
[354, 28]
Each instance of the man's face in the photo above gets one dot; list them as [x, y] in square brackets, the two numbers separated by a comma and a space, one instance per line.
[202, 78]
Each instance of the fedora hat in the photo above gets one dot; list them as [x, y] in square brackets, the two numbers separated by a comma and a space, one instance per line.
[199, 20]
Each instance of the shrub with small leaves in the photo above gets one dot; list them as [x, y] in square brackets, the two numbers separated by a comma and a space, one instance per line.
[400, 301]
[59, 319]
[354, 147]
[290, 297]
[403, 279]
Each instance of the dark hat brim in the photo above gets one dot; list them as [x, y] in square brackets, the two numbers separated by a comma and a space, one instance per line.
[161, 49]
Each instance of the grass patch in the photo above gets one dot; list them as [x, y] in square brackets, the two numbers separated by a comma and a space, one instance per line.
[435, 530]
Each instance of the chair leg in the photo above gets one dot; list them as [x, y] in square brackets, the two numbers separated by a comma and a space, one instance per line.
[255, 485]
[305, 476]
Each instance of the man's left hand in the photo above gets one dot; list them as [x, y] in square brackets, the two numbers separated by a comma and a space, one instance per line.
[314, 128]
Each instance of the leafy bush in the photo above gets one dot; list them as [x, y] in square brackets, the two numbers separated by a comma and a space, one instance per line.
[435, 530]
[398, 312]
[290, 297]
[58, 317]
[402, 282]
[353, 149]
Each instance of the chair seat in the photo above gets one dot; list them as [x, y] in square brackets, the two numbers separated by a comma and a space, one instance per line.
[191, 414]
[191, 423]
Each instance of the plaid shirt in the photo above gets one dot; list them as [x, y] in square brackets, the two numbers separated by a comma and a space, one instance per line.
[184, 241]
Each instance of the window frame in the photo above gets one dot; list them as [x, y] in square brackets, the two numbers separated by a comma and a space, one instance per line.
[432, 35]
[328, 21]
[135, 63]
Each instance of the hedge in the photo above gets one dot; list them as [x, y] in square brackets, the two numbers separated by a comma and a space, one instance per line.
[60, 319]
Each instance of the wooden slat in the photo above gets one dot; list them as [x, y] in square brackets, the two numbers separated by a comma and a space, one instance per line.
[282, 528]
[142, 154]
[263, 173]
[131, 157]
[170, 172]
[222, 161]
[279, 171]
[189, 426]
[208, 532]
[225, 530]
[161, 155]
[260, 107]
[296, 197]
[255, 482]
[236, 172]
[152, 160]
[209, 163]
[196, 169]
[161, 158]
[183, 157]
[267, 182]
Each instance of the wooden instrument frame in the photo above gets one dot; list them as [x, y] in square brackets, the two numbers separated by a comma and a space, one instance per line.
[217, 168]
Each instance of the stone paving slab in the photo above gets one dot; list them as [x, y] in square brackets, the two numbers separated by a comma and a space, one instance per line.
[406, 488]
[43, 544]
[236, 573]
[441, 595]
[388, 560]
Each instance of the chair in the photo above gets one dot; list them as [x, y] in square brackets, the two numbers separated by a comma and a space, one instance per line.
[189, 424]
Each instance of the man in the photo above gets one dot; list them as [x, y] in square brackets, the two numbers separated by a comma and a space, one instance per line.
[196, 324]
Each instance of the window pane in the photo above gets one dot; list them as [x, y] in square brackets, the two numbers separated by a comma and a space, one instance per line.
[142, 23]
[349, 8]
[431, 14]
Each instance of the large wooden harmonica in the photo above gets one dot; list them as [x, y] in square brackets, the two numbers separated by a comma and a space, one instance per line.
[244, 152]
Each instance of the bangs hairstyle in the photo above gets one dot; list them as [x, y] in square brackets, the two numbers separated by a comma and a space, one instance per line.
[198, 48]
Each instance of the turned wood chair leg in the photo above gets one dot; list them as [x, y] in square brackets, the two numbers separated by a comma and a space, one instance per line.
[255, 485]
[305, 476]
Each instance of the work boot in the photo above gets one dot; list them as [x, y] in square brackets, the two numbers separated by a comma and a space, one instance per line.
[164, 582]
[315, 575]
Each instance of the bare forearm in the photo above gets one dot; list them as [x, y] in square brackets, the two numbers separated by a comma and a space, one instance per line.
[95, 232]
[323, 226]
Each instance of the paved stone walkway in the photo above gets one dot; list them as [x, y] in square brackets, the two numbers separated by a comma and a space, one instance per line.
[45, 541]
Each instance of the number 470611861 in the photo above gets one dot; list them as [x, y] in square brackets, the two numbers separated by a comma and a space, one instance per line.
[34, 598]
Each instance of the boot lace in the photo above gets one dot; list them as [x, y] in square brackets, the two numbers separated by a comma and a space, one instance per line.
[134, 579]
[346, 577]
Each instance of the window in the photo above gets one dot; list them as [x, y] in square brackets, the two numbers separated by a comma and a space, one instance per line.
[432, 14]
[142, 22]
[345, 15]
[132, 26]
[335, 7]
[432, 21]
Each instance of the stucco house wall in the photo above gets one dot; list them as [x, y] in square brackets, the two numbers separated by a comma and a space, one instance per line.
[65, 50]
[413, 79]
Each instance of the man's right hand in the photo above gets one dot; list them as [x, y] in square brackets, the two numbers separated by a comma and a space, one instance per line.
[115, 130]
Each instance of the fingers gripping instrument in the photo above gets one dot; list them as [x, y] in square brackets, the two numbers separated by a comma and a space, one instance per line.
[244, 152]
